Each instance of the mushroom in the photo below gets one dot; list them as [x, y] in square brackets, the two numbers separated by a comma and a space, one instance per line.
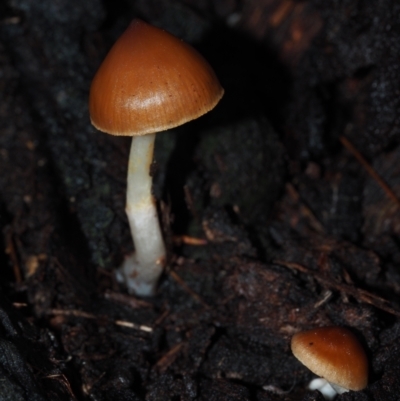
[150, 81]
[334, 354]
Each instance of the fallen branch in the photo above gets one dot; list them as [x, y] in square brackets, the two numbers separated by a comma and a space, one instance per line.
[357, 293]
[370, 170]
[182, 283]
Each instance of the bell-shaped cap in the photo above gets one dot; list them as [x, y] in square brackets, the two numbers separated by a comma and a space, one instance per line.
[151, 81]
[333, 353]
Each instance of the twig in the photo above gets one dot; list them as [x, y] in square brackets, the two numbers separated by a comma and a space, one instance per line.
[132, 325]
[72, 312]
[179, 280]
[128, 300]
[86, 315]
[304, 209]
[87, 387]
[161, 318]
[370, 170]
[10, 250]
[20, 304]
[357, 293]
[167, 359]
[325, 297]
[190, 203]
[187, 240]
[63, 379]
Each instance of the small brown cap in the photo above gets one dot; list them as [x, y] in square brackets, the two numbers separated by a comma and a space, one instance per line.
[333, 353]
[151, 81]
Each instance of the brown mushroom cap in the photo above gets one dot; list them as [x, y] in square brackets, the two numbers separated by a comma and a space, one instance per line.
[151, 81]
[333, 353]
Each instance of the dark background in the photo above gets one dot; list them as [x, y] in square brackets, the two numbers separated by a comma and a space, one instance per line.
[293, 230]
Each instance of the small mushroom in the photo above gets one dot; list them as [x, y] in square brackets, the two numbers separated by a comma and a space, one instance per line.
[150, 81]
[334, 354]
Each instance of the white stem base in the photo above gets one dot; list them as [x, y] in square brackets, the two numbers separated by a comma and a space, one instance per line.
[327, 389]
[142, 270]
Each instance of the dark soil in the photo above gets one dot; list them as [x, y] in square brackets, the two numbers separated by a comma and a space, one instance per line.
[275, 187]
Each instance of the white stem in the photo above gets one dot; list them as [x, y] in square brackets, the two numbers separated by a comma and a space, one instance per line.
[326, 388]
[339, 389]
[142, 271]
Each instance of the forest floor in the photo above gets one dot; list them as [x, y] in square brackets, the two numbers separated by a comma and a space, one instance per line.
[279, 207]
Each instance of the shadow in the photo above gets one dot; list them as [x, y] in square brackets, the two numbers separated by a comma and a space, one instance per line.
[255, 81]
[256, 84]
[118, 13]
